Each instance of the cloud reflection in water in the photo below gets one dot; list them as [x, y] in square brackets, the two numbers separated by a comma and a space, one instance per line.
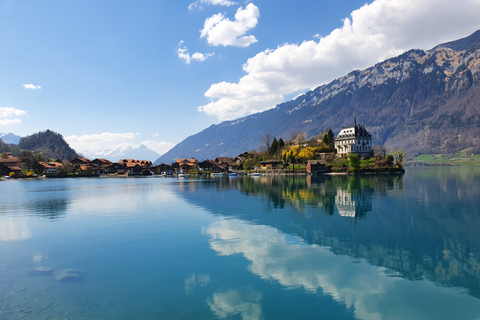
[371, 291]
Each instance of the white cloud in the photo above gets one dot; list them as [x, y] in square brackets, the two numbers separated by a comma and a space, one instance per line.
[10, 112]
[31, 86]
[220, 31]
[374, 32]
[159, 147]
[103, 143]
[182, 53]
[6, 115]
[7, 122]
[198, 4]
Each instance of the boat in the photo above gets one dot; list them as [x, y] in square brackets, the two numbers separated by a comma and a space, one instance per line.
[217, 174]
[233, 174]
[256, 174]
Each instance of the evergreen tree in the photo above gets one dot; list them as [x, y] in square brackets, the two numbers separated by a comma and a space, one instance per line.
[274, 146]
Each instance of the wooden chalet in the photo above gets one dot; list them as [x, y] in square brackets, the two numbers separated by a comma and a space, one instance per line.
[162, 168]
[136, 166]
[102, 165]
[244, 156]
[184, 165]
[271, 164]
[10, 164]
[316, 166]
[80, 161]
[211, 165]
[52, 167]
[227, 161]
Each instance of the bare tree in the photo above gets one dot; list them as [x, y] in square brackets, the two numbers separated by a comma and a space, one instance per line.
[267, 142]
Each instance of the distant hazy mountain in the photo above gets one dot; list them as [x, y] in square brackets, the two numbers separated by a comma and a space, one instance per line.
[10, 138]
[422, 101]
[114, 155]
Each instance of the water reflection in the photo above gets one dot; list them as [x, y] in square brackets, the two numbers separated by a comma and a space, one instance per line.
[51, 208]
[421, 228]
[245, 302]
[14, 229]
[373, 292]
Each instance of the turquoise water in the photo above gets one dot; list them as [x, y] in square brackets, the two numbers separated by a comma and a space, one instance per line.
[331, 247]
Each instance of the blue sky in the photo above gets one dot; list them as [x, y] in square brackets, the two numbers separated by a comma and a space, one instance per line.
[111, 73]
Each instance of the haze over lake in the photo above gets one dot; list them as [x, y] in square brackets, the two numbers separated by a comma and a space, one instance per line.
[328, 247]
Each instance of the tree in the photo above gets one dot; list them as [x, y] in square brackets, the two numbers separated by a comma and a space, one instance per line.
[281, 144]
[307, 153]
[398, 156]
[274, 146]
[267, 142]
[379, 152]
[354, 162]
[32, 160]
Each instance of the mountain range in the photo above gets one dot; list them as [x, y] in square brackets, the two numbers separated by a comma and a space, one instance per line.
[140, 153]
[10, 138]
[425, 102]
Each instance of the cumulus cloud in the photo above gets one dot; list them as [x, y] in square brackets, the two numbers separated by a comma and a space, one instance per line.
[220, 31]
[31, 86]
[199, 3]
[159, 147]
[101, 141]
[182, 53]
[8, 116]
[376, 31]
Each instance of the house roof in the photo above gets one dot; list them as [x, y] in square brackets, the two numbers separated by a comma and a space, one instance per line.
[103, 161]
[315, 162]
[132, 163]
[51, 164]
[9, 159]
[81, 160]
[192, 160]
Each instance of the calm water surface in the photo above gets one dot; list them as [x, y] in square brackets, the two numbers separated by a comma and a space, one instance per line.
[332, 247]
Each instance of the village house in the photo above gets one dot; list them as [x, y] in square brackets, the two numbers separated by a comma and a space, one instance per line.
[52, 167]
[162, 168]
[102, 165]
[271, 164]
[184, 165]
[136, 166]
[10, 164]
[354, 139]
[316, 166]
[213, 166]
[227, 161]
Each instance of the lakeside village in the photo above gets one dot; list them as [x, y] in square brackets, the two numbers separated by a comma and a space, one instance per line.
[351, 151]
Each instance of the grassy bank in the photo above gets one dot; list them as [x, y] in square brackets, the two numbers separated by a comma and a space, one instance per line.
[464, 157]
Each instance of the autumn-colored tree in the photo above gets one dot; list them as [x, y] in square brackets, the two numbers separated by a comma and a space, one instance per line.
[307, 153]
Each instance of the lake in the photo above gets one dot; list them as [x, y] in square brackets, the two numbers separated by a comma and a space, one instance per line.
[272, 247]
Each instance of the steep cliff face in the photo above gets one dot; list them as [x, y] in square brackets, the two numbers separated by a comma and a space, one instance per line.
[422, 101]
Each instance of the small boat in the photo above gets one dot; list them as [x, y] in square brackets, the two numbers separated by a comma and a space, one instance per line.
[217, 174]
[233, 174]
[256, 174]
[182, 175]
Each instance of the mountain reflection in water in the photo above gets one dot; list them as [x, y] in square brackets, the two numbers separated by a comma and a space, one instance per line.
[422, 225]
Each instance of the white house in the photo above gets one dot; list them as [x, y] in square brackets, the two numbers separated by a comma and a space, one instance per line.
[354, 139]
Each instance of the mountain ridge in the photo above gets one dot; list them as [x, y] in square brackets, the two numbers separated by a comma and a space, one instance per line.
[423, 101]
